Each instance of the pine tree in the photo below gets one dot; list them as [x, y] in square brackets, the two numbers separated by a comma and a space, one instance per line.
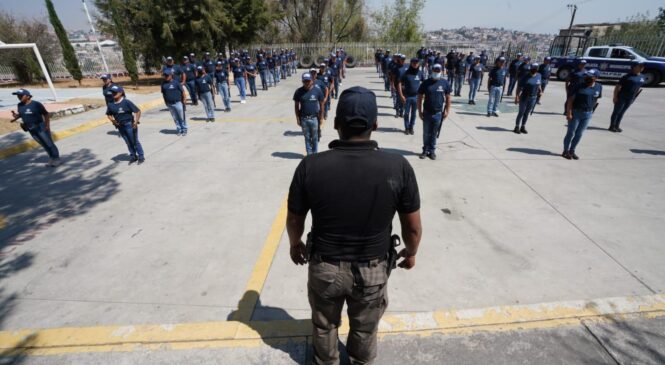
[71, 62]
[128, 55]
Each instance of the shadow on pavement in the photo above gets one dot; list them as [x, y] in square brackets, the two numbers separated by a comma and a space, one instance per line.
[113, 133]
[648, 152]
[386, 115]
[389, 130]
[385, 107]
[532, 151]
[291, 346]
[288, 155]
[168, 131]
[399, 152]
[292, 133]
[597, 129]
[494, 129]
[471, 113]
[32, 198]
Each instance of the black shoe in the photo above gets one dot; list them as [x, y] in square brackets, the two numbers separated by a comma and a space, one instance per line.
[574, 156]
[406, 131]
[132, 159]
[495, 114]
[516, 130]
[411, 131]
[396, 115]
[473, 102]
[538, 102]
[489, 115]
[227, 110]
[566, 155]
[432, 156]
[523, 130]
[423, 155]
[212, 120]
[470, 102]
[611, 129]
[618, 130]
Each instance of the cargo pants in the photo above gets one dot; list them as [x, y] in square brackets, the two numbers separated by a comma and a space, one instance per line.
[363, 286]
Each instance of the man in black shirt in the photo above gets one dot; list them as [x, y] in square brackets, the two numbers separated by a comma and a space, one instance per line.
[353, 191]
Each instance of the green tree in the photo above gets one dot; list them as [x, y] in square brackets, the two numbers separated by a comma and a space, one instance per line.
[71, 62]
[660, 20]
[399, 21]
[120, 27]
[242, 22]
[23, 61]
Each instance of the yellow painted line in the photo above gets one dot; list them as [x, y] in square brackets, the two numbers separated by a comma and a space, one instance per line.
[28, 145]
[57, 341]
[262, 267]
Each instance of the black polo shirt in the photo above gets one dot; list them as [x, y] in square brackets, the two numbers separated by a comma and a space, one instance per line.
[353, 191]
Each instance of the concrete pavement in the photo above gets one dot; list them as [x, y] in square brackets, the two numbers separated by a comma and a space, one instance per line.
[191, 236]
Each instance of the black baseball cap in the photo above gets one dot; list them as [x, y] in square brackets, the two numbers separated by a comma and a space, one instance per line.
[356, 108]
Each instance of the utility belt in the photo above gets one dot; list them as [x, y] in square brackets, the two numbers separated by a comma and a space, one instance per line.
[313, 116]
[391, 256]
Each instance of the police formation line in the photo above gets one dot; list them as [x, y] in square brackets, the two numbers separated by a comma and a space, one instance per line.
[427, 82]
[200, 81]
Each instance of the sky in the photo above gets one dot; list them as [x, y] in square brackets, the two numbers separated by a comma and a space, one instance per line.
[543, 16]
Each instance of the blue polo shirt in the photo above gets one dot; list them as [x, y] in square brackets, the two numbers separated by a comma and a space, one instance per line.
[262, 65]
[324, 79]
[204, 84]
[435, 92]
[172, 91]
[271, 63]
[106, 91]
[411, 80]
[250, 68]
[584, 97]
[514, 66]
[122, 111]
[32, 114]
[221, 76]
[309, 100]
[545, 72]
[498, 76]
[460, 67]
[476, 71]
[177, 71]
[238, 72]
[189, 71]
[630, 84]
[529, 86]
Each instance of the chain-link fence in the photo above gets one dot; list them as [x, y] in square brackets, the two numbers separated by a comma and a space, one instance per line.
[360, 53]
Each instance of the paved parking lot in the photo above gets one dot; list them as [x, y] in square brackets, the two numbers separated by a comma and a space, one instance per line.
[526, 257]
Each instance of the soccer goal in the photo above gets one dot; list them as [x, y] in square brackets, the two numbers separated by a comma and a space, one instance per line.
[39, 58]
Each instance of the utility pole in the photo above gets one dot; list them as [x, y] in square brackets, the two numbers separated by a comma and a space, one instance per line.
[570, 28]
[94, 34]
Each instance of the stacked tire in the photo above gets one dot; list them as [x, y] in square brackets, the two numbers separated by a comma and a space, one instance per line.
[306, 62]
[351, 61]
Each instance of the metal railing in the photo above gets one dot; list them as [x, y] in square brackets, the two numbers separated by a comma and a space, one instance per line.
[361, 53]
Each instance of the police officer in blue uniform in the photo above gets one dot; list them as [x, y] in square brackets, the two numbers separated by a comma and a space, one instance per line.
[189, 70]
[174, 98]
[398, 69]
[334, 74]
[37, 122]
[309, 111]
[323, 76]
[512, 72]
[407, 87]
[574, 79]
[475, 76]
[240, 79]
[106, 88]
[460, 72]
[321, 83]
[178, 75]
[126, 116]
[222, 84]
[483, 61]
[625, 93]
[206, 91]
[385, 69]
[528, 89]
[495, 82]
[262, 67]
[545, 71]
[451, 61]
[433, 108]
[580, 106]
[251, 77]
[208, 64]
[272, 71]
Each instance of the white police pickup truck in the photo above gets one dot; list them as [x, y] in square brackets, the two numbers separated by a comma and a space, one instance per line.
[613, 61]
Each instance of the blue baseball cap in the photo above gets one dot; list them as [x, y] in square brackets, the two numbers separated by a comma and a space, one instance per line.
[437, 67]
[117, 89]
[169, 58]
[548, 58]
[534, 66]
[502, 59]
[21, 92]
[583, 61]
[402, 56]
[306, 76]
[356, 108]
[414, 60]
[593, 73]
[219, 63]
[168, 71]
[105, 76]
